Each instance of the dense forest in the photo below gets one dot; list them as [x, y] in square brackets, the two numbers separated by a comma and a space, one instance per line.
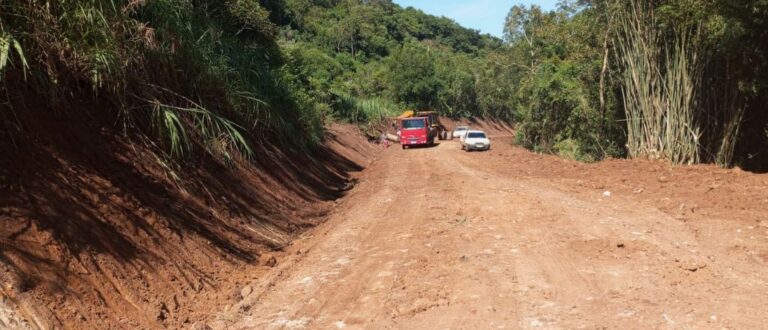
[683, 80]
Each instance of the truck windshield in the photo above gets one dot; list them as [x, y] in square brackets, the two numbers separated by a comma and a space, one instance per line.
[413, 124]
[477, 135]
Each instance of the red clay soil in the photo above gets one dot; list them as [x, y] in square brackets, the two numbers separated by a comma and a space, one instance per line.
[439, 238]
[97, 232]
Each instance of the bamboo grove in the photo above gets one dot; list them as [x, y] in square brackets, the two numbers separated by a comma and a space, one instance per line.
[681, 80]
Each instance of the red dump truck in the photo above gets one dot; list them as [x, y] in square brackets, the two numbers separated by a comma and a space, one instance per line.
[415, 131]
[419, 128]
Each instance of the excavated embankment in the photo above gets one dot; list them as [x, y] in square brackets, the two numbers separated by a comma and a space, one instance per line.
[100, 231]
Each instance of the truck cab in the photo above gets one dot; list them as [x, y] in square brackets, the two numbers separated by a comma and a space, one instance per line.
[415, 131]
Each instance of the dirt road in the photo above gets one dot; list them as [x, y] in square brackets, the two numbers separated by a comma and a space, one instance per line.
[437, 238]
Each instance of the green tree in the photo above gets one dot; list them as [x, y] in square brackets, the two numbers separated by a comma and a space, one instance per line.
[412, 78]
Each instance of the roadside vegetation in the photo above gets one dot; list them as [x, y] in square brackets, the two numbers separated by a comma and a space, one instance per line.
[219, 75]
[683, 80]
[188, 73]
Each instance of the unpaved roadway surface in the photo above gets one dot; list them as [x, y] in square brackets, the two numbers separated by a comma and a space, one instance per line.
[438, 238]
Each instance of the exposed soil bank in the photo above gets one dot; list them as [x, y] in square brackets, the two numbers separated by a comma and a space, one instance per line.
[97, 230]
[439, 238]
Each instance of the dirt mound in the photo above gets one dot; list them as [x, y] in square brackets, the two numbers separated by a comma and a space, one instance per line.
[100, 231]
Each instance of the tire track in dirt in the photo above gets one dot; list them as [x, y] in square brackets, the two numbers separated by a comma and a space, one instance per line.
[438, 238]
[613, 262]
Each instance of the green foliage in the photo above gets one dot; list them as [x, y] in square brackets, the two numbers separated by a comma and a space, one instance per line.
[572, 149]
[250, 15]
[207, 73]
[222, 74]
[552, 105]
[8, 46]
[412, 77]
[554, 63]
[683, 80]
[363, 111]
[661, 75]
[377, 50]
[219, 134]
[693, 69]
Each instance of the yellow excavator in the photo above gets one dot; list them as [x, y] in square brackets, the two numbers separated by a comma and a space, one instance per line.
[406, 114]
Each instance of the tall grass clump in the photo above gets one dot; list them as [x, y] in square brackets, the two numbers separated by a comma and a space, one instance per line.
[681, 96]
[661, 73]
[10, 50]
[363, 111]
[370, 115]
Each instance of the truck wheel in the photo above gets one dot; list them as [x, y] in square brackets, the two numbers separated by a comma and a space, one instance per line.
[402, 145]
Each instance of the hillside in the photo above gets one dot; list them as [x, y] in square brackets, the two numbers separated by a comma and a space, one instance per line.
[350, 52]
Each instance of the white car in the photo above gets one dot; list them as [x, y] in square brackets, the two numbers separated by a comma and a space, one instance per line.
[459, 131]
[475, 140]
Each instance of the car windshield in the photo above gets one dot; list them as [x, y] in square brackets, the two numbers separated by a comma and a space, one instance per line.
[478, 135]
[461, 129]
[413, 124]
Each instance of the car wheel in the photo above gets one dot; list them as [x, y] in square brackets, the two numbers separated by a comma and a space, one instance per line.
[402, 145]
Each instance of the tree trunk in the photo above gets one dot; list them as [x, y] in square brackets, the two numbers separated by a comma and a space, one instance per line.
[603, 72]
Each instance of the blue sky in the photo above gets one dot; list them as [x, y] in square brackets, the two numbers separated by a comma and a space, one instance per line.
[485, 15]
